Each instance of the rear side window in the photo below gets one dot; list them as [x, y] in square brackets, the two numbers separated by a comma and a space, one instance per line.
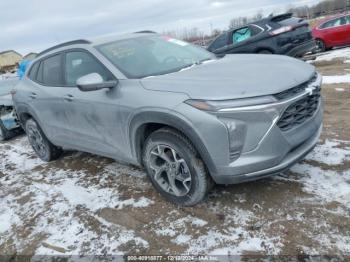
[50, 71]
[34, 71]
[220, 42]
[79, 64]
[241, 35]
[332, 23]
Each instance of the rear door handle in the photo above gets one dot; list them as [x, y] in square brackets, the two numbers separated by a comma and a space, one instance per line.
[33, 95]
[69, 98]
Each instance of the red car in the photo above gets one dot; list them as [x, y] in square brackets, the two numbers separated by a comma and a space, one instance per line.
[332, 32]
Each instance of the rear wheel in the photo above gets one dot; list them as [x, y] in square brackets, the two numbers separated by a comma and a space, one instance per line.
[175, 169]
[321, 46]
[45, 150]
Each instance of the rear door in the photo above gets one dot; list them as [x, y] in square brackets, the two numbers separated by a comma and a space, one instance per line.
[244, 39]
[93, 117]
[347, 30]
[45, 97]
[336, 31]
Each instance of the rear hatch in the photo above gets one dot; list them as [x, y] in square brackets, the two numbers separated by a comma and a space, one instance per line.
[300, 32]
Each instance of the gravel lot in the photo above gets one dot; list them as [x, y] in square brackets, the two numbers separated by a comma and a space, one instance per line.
[89, 205]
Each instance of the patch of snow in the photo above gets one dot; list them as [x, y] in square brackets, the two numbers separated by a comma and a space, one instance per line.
[238, 239]
[142, 202]
[171, 232]
[340, 89]
[329, 153]
[336, 79]
[251, 245]
[76, 195]
[326, 184]
[334, 54]
[19, 155]
[60, 205]
[182, 239]
[7, 218]
[172, 227]
[199, 222]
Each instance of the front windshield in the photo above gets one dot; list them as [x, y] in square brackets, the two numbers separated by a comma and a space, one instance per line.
[152, 55]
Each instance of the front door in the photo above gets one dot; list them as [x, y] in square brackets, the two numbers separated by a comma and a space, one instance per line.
[93, 117]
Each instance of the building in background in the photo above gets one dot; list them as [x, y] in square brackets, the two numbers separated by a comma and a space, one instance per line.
[9, 60]
[30, 56]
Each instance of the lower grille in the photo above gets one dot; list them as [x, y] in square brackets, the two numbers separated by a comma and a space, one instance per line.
[299, 112]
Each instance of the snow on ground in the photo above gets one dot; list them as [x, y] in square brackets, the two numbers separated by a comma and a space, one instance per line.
[327, 185]
[343, 53]
[52, 199]
[63, 207]
[336, 79]
[331, 152]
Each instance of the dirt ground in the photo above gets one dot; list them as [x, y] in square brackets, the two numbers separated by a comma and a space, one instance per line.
[89, 205]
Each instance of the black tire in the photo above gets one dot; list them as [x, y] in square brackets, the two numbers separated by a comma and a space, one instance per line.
[4, 133]
[265, 51]
[200, 183]
[45, 150]
[321, 46]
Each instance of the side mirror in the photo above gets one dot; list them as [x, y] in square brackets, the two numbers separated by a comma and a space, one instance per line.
[93, 82]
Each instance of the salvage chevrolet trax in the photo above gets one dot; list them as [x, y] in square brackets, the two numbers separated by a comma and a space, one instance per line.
[189, 118]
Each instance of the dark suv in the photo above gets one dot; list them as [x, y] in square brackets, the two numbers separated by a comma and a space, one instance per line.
[283, 34]
[189, 118]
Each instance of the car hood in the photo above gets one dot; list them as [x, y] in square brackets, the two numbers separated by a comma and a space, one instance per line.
[234, 76]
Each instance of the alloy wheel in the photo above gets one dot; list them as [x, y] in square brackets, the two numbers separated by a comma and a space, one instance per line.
[37, 141]
[170, 171]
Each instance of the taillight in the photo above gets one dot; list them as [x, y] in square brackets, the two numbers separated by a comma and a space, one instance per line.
[282, 30]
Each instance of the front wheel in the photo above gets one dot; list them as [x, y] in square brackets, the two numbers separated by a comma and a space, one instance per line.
[175, 168]
[45, 150]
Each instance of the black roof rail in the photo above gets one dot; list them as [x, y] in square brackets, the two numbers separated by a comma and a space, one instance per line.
[75, 42]
[145, 32]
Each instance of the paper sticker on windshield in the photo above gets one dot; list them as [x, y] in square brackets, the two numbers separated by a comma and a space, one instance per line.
[178, 42]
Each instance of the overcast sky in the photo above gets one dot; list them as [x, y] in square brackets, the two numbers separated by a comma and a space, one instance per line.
[33, 25]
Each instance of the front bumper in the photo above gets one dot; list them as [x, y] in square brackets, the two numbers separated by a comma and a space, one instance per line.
[293, 157]
[276, 150]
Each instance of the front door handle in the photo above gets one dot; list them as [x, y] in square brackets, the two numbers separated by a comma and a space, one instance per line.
[69, 98]
[33, 95]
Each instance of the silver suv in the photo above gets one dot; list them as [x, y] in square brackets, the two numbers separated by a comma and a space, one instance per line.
[190, 119]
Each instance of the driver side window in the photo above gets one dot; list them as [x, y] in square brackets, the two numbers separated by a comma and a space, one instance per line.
[79, 63]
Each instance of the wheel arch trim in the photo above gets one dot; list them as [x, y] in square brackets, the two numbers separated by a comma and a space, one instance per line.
[171, 119]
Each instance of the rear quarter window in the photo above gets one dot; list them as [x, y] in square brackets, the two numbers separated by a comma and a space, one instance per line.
[34, 71]
[52, 71]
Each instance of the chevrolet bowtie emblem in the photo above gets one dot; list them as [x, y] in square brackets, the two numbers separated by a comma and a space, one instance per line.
[310, 90]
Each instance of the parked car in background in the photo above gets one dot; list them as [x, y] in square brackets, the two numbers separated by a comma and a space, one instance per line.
[332, 32]
[282, 34]
[186, 116]
[9, 125]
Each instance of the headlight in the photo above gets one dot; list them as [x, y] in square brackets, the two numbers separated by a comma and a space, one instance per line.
[222, 105]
